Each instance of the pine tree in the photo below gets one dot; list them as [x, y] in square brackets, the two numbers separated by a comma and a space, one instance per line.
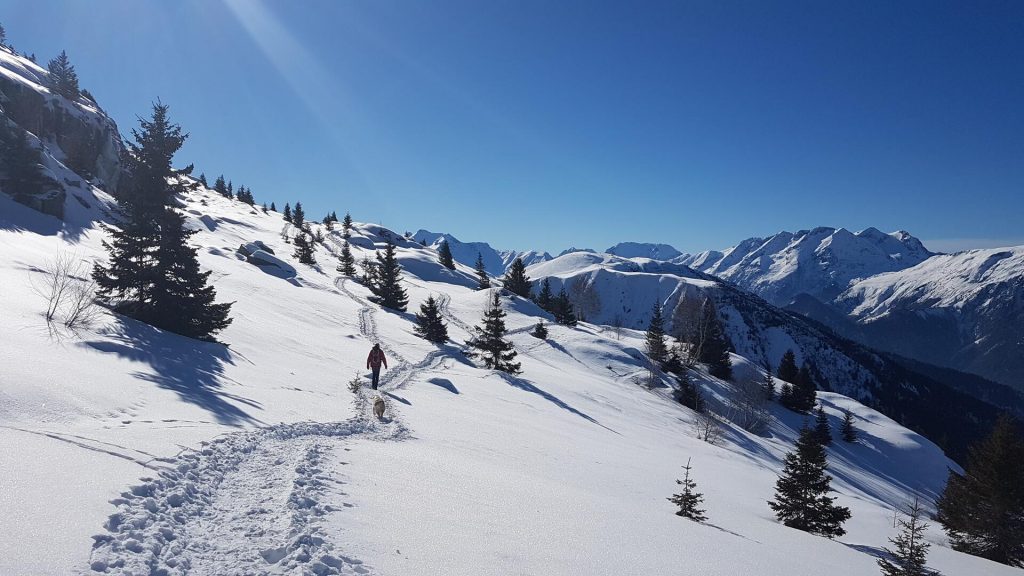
[273, 207]
[220, 186]
[265, 209]
[318, 236]
[202, 180]
[768, 383]
[848, 431]
[298, 215]
[483, 281]
[334, 216]
[545, 298]
[153, 274]
[490, 343]
[689, 499]
[801, 493]
[429, 324]
[347, 262]
[687, 393]
[540, 331]
[715, 351]
[561, 309]
[231, 190]
[3, 36]
[982, 510]
[516, 280]
[910, 556]
[369, 272]
[654, 343]
[21, 163]
[63, 78]
[346, 226]
[444, 255]
[804, 391]
[304, 249]
[387, 288]
[787, 368]
[822, 429]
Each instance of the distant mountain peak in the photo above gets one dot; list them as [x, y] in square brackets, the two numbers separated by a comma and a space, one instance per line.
[644, 250]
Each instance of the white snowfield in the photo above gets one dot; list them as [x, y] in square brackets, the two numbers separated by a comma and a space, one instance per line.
[127, 450]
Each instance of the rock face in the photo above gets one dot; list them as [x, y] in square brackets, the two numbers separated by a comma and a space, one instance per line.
[80, 145]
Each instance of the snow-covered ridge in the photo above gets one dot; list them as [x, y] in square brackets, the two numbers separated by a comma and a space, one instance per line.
[821, 262]
[644, 250]
[496, 262]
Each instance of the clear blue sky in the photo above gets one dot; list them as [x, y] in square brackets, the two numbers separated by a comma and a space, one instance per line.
[543, 124]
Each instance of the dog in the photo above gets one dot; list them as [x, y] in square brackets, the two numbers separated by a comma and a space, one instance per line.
[378, 408]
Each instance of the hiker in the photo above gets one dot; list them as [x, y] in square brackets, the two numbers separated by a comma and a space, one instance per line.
[373, 361]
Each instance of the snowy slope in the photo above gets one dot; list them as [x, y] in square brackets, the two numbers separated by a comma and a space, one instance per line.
[496, 262]
[821, 262]
[562, 470]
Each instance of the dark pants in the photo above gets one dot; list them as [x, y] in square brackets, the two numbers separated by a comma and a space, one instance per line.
[376, 377]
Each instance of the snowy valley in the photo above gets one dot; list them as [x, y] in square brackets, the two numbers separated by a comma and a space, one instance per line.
[126, 449]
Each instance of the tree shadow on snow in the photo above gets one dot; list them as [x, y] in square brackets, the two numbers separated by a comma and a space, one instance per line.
[192, 369]
[529, 387]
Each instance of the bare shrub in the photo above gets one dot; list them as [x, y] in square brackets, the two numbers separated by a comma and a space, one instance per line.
[708, 427]
[749, 407]
[69, 291]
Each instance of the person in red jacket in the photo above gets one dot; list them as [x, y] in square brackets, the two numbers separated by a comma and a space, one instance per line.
[373, 362]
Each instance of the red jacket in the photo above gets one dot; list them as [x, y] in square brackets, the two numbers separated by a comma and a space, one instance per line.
[375, 359]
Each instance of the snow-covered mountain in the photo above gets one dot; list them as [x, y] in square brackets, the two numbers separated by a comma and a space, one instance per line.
[821, 262]
[496, 262]
[644, 250]
[963, 310]
[129, 450]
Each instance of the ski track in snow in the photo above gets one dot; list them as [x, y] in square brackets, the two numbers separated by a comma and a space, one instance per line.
[250, 502]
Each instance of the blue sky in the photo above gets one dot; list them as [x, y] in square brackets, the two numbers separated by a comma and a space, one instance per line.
[543, 125]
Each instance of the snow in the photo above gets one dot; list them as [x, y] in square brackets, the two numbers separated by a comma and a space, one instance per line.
[496, 262]
[943, 281]
[130, 450]
[644, 250]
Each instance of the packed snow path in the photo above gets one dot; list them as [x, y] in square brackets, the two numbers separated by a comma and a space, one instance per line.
[251, 502]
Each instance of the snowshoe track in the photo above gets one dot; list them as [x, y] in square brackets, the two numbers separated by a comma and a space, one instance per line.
[249, 503]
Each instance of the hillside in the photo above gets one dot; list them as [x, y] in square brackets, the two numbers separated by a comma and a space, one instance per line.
[474, 472]
[496, 262]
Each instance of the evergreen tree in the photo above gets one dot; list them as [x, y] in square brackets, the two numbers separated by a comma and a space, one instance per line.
[768, 383]
[63, 78]
[153, 274]
[220, 186]
[516, 280]
[273, 207]
[444, 255]
[346, 226]
[490, 343]
[304, 249]
[822, 429]
[540, 331]
[561, 309]
[715, 351]
[318, 236]
[801, 493]
[804, 391]
[982, 510]
[298, 215]
[654, 343]
[387, 288]
[689, 499]
[545, 298]
[265, 209]
[369, 271]
[347, 262]
[787, 368]
[334, 216]
[848, 432]
[231, 190]
[687, 393]
[429, 324]
[3, 36]
[483, 281]
[910, 556]
[202, 180]
[22, 165]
